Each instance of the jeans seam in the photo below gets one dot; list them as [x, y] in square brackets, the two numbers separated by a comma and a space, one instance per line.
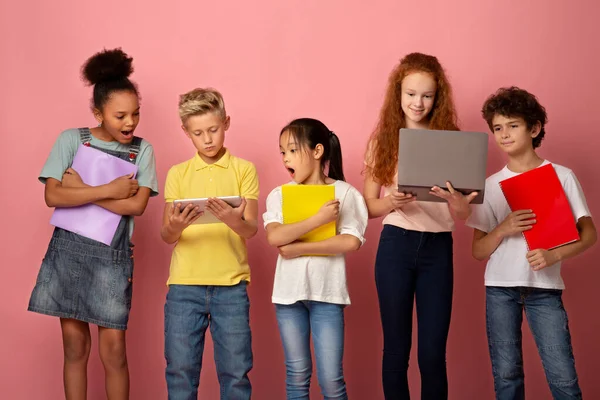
[490, 342]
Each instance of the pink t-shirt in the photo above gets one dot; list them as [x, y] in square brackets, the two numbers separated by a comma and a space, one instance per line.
[422, 216]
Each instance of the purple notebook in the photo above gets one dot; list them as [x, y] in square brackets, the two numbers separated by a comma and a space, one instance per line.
[94, 222]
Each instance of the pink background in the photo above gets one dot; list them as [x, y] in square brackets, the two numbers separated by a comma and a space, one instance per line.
[275, 61]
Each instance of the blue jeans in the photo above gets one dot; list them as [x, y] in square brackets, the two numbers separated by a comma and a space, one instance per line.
[326, 321]
[550, 328]
[414, 266]
[189, 310]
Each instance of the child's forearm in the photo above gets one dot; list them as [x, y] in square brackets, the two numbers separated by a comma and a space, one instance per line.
[462, 214]
[245, 229]
[378, 207]
[587, 238]
[339, 244]
[169, 235]
[56, 195]
[134, 205]
[485, 244]
[281, 234]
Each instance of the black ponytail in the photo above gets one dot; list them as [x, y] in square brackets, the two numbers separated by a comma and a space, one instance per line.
[108, 71]
[336, 167]
[308, 133]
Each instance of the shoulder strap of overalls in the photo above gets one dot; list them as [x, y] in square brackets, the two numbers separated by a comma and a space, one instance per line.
[134, 148]
[85, 136]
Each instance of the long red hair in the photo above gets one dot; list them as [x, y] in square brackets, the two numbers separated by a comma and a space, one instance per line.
[382, 152]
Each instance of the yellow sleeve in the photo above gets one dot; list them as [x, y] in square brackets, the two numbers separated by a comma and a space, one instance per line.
[249, 184]
[172, 185]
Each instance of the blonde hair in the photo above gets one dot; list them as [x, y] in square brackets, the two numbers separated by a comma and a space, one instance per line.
[201, 101]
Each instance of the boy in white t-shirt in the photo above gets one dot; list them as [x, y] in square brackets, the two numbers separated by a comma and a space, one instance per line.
[517, 279]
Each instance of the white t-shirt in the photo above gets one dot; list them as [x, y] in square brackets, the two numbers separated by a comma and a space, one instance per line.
[508, 265]
[318, 278]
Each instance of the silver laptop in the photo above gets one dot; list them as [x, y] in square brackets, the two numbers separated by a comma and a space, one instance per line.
[428, 158]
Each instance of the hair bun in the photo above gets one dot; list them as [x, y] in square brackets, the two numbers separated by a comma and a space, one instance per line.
[107, 65]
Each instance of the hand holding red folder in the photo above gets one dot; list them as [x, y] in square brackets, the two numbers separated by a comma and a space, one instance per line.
[517, 222]
[540, 190]
[540, 259]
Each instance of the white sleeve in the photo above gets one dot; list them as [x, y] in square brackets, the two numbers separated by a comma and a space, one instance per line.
[274, 212]
[482, 215]
[353, 216]
[576, 197]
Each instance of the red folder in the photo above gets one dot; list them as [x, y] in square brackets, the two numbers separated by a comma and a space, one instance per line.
[540, 190]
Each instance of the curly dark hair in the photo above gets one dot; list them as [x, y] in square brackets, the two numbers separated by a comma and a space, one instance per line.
[516, 103]
[382, 151]
[108, 71]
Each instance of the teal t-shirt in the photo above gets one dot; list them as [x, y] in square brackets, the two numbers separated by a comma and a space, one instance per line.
[64, 149]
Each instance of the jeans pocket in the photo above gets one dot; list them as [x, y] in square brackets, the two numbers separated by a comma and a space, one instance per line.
[392, 237]
[47, 267]
[122, 282]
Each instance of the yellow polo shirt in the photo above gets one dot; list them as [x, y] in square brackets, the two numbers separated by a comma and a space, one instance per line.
[210, 254]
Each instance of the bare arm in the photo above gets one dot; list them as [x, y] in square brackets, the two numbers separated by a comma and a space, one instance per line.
[72, 192]
[281, 234]
[540, 258]
[175, 220]
[519, 221]
[588, 236]
[248, 226]
[339, 244]
[379, 207]
[134, 205]
[484, 244]
[56, 195]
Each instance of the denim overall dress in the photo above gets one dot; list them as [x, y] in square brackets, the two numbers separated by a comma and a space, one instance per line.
[86, 280]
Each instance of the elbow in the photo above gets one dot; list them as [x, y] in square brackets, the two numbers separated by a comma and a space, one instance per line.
[355, 244]
[352, 243]
[593, 238]
[273, 241]
[138, 208]
[137, 212]
[478, 256]
[50, 200]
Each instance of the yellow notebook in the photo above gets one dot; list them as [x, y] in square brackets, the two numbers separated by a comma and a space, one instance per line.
[300, 202]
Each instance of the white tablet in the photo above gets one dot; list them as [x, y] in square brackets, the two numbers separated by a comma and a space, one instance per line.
[208, 217]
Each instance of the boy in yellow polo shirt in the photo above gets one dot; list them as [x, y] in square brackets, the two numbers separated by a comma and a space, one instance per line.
[209, 266]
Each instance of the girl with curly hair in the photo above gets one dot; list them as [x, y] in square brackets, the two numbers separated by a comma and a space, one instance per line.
[414, 257]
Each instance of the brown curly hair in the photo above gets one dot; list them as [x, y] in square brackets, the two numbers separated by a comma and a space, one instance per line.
[382, 152]
[513, 102]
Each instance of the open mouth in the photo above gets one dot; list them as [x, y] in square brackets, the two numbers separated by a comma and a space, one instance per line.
[127, 133]
[291, 171]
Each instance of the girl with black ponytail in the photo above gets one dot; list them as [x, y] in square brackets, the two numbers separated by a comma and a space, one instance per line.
[310, 292]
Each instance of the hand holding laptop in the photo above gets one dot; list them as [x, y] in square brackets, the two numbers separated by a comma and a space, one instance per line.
[398, 199]
[456, 200]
